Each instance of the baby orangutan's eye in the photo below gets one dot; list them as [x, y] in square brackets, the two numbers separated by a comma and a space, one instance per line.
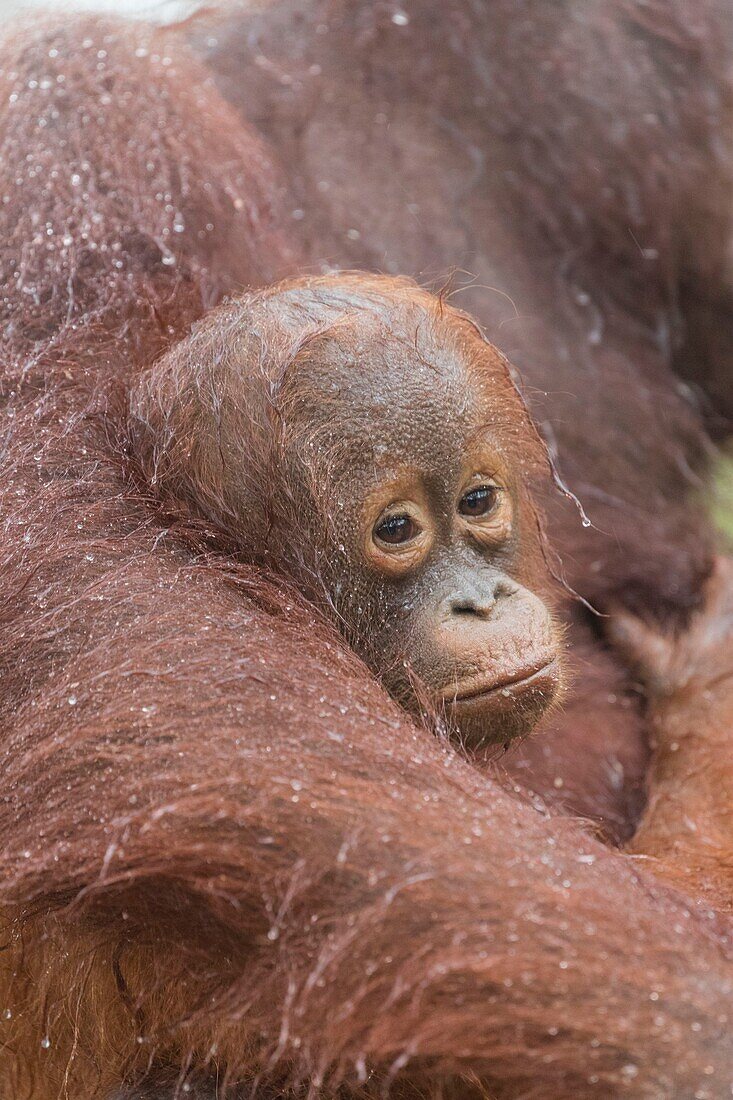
[396, 529]
[479, 501]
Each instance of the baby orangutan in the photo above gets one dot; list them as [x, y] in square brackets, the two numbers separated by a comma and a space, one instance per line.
[359, 436]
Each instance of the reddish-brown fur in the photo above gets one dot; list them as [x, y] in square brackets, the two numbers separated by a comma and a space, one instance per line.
[688, 822]
[576, 161]
[222, 847]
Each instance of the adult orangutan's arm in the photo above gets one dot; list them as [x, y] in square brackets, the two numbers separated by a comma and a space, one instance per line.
[218, 833]
[687, 827]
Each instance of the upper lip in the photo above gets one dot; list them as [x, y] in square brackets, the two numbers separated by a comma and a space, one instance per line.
[474, 686]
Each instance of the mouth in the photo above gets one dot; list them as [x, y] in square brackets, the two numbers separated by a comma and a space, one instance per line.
[538, 677]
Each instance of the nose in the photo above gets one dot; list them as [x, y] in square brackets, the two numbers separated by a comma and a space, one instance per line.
[480, 602]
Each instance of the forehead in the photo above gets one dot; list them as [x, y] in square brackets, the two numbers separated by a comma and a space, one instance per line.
[413, 387]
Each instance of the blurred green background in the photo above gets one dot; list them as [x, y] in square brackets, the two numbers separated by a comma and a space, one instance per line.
[721, 497]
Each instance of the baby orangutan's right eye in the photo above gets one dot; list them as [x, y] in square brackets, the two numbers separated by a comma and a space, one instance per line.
[396, 529]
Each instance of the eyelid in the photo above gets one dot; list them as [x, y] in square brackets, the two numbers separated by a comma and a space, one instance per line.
[483, 477]
[393, 510]
[480, 481]
[398, 508]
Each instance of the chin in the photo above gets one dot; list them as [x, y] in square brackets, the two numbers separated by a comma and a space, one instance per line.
[505, 712]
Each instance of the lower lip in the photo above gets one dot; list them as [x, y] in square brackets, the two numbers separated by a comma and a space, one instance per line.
[540, 679]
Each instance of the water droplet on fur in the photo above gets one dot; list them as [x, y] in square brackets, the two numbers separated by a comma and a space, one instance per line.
[45, 1042]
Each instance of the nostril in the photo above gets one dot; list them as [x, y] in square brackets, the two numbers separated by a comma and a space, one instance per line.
[472, 607]
[464, 607]
[481, 604]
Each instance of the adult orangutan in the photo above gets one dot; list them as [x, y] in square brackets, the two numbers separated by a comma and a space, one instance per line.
[577, 161]
[228, 859]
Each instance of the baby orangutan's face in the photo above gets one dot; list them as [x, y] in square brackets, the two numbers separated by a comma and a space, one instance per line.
[415, 452]
[359, 436]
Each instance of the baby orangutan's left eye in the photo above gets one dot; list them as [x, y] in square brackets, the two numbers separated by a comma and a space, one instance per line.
[480, 501]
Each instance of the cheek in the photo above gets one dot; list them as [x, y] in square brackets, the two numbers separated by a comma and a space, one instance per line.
[528, 563]
[384, 621]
